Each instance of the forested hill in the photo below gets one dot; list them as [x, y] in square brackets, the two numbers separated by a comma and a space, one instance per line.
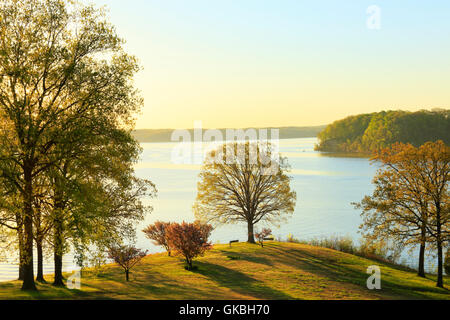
[164, 135]
[367, 132]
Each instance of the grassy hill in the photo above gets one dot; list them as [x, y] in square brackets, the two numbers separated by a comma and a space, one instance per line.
[277, 271]
[164, 135]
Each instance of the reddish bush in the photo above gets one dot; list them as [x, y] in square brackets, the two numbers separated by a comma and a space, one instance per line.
[158, 233]
[127, 257]
[189, 239]
[260, 236]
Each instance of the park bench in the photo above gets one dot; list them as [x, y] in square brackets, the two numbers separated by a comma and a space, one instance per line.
[233, 241]
[269, 239]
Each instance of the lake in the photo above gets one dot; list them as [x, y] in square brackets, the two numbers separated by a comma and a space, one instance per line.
[326, 186]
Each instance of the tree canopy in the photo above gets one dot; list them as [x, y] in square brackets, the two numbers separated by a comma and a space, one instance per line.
[67, 107]
[238, 187]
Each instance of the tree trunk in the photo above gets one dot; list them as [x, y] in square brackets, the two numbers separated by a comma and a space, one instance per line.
[58, 256]
[58, 240]
[189, 264]
[58, 253]
[40, 262]
[127, 275]
[27, 262]
[440, 280]
[21, 256]
[251, 237]
[422, 254]
[421, 272]
[58, 282]
[21, 272]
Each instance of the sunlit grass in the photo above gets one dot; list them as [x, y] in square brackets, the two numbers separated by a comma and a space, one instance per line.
[277, 271]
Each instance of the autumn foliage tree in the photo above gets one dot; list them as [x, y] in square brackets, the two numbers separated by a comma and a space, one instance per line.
[263, 234]
[189, 240]
[157, 232]
[410, 203]
[247, 183]
[126, 256]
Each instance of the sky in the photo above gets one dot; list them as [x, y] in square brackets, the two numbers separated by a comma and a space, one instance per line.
[267, 63]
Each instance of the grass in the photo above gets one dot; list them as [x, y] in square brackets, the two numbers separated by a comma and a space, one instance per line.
[277, 271]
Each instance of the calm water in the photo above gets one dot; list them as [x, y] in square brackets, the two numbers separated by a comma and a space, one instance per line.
[326, 186]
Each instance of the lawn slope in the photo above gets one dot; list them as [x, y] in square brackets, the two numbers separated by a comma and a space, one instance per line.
[244, 271]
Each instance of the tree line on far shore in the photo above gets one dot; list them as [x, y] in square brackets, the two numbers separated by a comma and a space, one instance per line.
[367, 133]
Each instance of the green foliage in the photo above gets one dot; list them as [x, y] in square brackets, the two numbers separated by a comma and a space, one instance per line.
[368, 132]
[67, 109]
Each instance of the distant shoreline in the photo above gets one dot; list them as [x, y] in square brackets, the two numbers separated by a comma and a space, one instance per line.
[164, 135]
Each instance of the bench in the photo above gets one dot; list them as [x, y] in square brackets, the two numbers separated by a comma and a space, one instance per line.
[233, 241]
[269, 239]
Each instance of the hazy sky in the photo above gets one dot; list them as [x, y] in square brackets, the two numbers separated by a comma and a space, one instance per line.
[246, 63]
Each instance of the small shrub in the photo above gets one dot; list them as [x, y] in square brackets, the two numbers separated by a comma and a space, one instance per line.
[291, 239]
[380, 250]
[260, 236]
[343, 244]
[126, 256]
[157, 233]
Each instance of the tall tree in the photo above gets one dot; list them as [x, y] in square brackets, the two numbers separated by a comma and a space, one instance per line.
[411, 198]
[244, 183]
[96, 197]
[61, 63]
[432, 162]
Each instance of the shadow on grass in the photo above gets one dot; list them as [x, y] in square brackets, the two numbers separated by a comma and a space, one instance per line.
[44, 292]
[247, 257]
[150, 286]
[337, 271]
[239, 282]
